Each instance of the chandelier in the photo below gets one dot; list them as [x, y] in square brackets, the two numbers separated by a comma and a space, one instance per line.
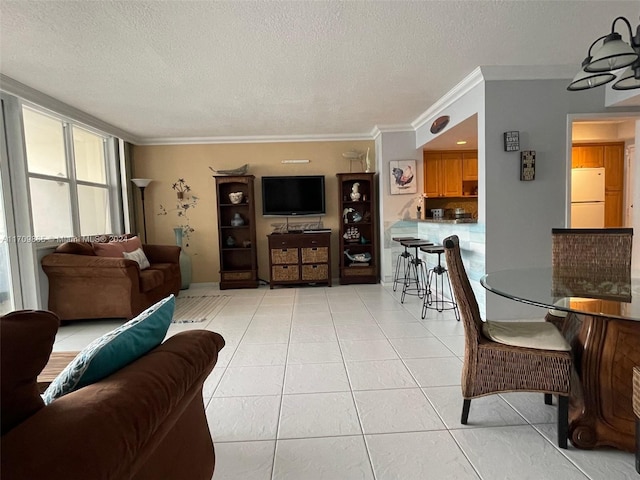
[606, 63]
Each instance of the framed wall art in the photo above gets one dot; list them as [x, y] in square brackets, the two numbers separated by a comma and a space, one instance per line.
[511, 141]
[403, 177]
[528, 165]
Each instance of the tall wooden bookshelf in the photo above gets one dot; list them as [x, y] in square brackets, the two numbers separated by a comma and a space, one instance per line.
[358, 235]
[237, 243]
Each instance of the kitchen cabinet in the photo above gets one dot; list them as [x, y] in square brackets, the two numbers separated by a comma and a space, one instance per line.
[443, 174]
[296, 258]
[237, 232]
[614, 167]
[613, 209]
[469, 166]
[358, 229]
[587, 156]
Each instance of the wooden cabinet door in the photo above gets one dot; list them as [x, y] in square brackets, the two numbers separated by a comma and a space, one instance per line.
[469, 166]
[613, 208]
[614, 167]
[432, 174]
[451, 174]
[587, 156]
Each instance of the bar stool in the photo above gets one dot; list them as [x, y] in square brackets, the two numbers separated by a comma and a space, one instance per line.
[434, 296]
[415, 281]
[404, 258]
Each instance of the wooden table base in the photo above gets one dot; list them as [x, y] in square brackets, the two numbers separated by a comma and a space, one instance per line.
[600, 409]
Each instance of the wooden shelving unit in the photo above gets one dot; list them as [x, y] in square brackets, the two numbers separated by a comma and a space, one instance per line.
[358, 217]
[238, 258]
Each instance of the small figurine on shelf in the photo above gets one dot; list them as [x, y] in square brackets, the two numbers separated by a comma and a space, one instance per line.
[351, 235]
[237, 220]
[345, 214]
[231, 242]
[355, 192]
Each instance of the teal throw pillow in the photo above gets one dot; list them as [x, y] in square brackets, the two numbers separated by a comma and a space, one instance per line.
[114, 350]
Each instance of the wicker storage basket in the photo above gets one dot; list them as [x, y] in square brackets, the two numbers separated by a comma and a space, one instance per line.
[355, 271]
[315, 255]
[284, 255]
[636, 393]
[236, 275]
[315, 272]
[285, 273]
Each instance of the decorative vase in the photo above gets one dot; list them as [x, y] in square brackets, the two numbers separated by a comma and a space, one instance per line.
[185, 260]
[235, 197]
[230, 241]
[237, 220]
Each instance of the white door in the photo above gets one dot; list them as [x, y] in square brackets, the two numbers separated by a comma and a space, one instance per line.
[587, 215]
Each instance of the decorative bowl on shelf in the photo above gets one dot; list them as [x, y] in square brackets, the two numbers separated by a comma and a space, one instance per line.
[235, 197]
[358, 257]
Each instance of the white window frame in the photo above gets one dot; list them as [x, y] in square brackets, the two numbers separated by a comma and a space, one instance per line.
[33, 283]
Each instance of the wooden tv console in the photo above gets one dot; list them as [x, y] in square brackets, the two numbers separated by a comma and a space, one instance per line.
[298, 258]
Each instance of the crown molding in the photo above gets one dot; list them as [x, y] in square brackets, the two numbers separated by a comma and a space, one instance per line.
[13, 87]
[472, 80]
[378, 130]
[338, 137]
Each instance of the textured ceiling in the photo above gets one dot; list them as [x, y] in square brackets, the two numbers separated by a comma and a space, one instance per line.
[183, 69]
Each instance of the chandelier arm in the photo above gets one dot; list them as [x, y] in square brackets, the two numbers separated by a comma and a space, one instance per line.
[592, 45]
[613, 27]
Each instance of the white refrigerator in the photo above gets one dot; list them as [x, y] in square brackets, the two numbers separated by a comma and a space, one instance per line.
[587, 198]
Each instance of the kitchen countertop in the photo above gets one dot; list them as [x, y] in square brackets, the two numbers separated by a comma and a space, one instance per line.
[446, 220]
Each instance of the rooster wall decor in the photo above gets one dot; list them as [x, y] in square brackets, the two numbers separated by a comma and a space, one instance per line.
[402, 176]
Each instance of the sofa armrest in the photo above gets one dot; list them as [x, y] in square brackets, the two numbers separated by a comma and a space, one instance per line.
[162, 253]
[112, 427]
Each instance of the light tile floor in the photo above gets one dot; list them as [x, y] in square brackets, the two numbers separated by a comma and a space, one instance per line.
[348, 383]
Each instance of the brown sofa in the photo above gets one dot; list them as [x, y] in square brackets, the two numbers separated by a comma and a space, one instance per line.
[146, 421]
[84, 285]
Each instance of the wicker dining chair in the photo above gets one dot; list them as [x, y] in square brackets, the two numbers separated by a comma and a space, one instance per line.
[490, 366]
[601, 251]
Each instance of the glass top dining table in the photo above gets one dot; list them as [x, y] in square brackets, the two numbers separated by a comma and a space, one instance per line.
[607, 294]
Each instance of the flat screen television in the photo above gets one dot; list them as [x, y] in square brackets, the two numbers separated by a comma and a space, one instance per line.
[293, 195]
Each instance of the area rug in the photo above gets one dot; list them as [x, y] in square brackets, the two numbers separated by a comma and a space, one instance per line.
[191, 309]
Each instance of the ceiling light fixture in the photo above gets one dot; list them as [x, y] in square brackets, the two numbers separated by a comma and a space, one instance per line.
[461, 142]
[614, 54]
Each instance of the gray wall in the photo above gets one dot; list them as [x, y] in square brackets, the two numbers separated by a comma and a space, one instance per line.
[520, 215]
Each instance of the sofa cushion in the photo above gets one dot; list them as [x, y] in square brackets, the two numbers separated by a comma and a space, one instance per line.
[169, 270]
[26, 340]
[108, 249]
[117, 248]
[131, 244]
[114, 350]
[139, 257]
[150, 279]
[76, 248]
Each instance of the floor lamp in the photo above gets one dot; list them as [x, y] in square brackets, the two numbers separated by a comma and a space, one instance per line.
[142, 183]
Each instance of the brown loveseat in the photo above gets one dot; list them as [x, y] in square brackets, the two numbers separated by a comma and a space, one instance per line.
[84, 285]
[146, 421]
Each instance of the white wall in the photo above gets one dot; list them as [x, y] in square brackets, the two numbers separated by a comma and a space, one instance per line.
[393, 208]
[520, 215]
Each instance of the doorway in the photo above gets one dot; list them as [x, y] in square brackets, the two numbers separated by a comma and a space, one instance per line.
[607, 142]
